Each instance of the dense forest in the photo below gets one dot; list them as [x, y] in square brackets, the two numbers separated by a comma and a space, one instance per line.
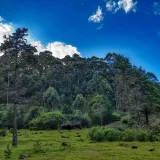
[39, 91]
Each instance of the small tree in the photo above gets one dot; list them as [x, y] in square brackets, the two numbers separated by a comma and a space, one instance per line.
[99, 104]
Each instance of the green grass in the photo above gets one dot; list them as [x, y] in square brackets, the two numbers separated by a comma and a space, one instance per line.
[82, 148]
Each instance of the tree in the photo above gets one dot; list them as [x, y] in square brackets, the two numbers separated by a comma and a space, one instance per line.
[80, 103]
[16, 50]
[51, 97]
[99, 104]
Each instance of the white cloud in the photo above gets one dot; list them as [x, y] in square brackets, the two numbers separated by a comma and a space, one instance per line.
[97, 17]
[58, 49]
[5, 29]
[156, 8]
[126, 5]
[111, 5]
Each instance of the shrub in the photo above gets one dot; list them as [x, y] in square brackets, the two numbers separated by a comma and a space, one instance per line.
[33, 113]
[98, 135]
[112, 135]
[91, 132]
[142, 136]
[128, 135]
[50, 120]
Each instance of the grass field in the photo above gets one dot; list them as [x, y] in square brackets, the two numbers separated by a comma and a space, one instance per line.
[80, 147]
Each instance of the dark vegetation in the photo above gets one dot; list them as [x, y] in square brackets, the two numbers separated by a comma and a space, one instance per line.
[39, 91]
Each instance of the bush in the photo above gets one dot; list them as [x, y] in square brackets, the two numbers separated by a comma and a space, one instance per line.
[33, 113]
[98, 135]
[128, 135]
[112, 135]
[91, 132]
[142, 136]
[50, 120]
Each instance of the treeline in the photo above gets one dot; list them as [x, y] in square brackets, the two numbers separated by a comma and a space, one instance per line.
[101, 90]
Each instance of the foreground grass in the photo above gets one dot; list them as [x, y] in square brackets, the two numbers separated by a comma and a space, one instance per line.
[80, 147]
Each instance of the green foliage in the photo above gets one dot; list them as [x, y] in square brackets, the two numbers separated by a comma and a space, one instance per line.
[112, 135]
[83, 119]
[128, 135]
[100, 104]
[51, 97]
[142, 136]
[7, 152]
[118, 126]
[50, 120]
[126, 119]
[86, 121]
[116, 116]
[3, 133]
[79, 103]
[98, 135]
[109, 134]
[34, 112]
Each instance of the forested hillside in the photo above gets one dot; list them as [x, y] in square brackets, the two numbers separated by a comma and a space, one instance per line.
[96, 91]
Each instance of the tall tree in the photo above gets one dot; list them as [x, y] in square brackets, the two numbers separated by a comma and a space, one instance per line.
[16, 50]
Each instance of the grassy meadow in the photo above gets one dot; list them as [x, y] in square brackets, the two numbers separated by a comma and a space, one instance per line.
[47, 145]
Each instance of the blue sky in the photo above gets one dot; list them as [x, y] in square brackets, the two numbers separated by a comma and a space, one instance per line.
[90, 27]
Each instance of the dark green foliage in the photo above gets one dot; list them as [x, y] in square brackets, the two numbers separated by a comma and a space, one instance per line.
[50, 120]
[33, 112]
[143, 136]
[116, 116]
[3, 133]
[86, 121]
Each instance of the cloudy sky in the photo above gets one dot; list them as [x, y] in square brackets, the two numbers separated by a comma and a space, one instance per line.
[89, 27]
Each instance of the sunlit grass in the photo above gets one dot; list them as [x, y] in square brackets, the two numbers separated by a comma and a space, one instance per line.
[81, 147]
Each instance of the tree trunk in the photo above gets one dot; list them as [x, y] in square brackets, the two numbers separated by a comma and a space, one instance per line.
[146, 116]
[15, 137]
[101, 120]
